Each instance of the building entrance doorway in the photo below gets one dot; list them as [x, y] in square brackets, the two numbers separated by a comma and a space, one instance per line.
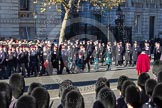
[151, 27]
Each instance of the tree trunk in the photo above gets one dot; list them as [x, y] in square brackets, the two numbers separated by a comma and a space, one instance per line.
[64, 22]
[63, 27]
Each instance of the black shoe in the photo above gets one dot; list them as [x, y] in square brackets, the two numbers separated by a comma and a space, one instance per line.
[35, 75]
[5, 77]
[68, 72]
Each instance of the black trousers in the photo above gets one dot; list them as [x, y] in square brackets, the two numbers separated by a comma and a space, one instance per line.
[9, 70]
[62, 65]
[33, 69]
[56, 66]
[2, 71]
[24, 67]
[128, 62]
[88, 65]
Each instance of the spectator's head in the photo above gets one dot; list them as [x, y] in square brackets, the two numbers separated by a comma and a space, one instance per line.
[26, 101]
[42, 97]
[5, 87]
[3, 100]
[149, 86]
[121, 81]
[159, 77]
[100, 83]
[17, 84]
[133, 96]
[157, 67]
[98, 104]
[107, 97]
[142, 80]
[125, 85]
[157, 95]
[33, 86]
[73, 99]
[65, 84]
[65, 92]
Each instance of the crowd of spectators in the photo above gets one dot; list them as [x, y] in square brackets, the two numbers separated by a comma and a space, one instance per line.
[146, 93]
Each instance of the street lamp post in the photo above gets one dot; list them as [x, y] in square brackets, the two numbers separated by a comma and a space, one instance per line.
[119, 23]
[35, 25]
[108, 25]
[35, 18]
[67, 6]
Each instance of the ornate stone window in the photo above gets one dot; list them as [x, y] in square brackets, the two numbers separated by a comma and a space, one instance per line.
[24, 5]
[137, 24]
[137, 3]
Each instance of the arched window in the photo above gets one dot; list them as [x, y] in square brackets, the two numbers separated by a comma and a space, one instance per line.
[24, 5]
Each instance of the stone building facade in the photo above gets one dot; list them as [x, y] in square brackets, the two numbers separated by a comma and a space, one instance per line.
[23, 19]
[145, 17]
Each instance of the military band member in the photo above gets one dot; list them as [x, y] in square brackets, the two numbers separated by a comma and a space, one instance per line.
[157, 51]
[128, 54]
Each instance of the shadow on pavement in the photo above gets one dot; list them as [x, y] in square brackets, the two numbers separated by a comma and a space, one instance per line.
[78, 84]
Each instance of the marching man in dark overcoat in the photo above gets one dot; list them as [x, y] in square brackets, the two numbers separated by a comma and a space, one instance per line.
[128, 54]
[136, 50]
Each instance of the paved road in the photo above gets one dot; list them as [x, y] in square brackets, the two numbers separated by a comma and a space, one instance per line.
[85, 82]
